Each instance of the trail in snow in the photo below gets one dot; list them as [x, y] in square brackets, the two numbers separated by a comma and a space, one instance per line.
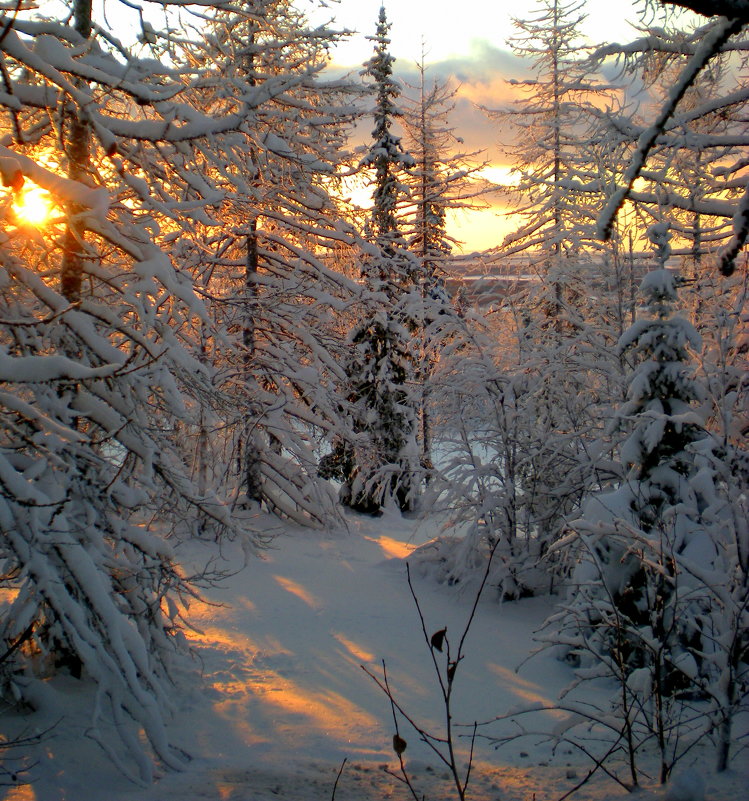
[283, 699]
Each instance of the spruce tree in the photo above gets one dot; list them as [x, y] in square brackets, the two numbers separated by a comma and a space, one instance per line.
[659, 593]
[382, 463]
[631, 582]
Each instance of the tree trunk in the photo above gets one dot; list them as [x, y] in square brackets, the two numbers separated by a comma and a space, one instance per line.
[251, 466]
[77, 147]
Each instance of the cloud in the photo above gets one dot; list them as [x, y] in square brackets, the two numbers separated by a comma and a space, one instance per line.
[482, 77]
[483, 64]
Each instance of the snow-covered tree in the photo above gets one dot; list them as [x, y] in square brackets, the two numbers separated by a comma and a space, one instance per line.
[98, 375]
[444, 179]
[560, 387]
[737, 9]
[660, 591]
[552, 131]
[688, 121]
[262, 258]
[507, 469]
[382, 462]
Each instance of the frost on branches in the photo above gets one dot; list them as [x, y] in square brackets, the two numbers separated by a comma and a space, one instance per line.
[660, 594]
[261, 254]
[93, 592]
[97, 375]
[699, 127]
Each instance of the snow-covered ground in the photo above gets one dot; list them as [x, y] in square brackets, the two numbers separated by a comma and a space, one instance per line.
[284, 700]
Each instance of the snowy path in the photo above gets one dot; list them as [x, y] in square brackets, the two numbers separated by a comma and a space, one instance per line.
[285, 700]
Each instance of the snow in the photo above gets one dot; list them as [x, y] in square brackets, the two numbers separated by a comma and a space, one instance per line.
[274, 698]
[688, 785]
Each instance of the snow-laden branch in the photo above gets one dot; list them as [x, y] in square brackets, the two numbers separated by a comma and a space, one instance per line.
[13, 165]
[727, 254]
[38, 369]
[710, 45]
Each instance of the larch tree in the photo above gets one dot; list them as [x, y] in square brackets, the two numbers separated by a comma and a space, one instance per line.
[552, 124]
[710, 124]
[99, 371]
[262, 258]
[555, 396]
[443, 180]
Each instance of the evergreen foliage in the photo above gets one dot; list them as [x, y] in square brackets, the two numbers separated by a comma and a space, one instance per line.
[382, 463]
[661, 588]
[654, 513]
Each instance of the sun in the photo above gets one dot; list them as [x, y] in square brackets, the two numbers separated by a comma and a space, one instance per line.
[32, 205]
[500, 174]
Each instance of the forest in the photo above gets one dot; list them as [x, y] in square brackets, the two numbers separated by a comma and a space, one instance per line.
[208, 347]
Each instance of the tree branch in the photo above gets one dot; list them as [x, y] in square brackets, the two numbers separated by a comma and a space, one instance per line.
[736, 9]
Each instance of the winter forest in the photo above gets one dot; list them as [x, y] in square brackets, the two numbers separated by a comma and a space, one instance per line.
[290, 509]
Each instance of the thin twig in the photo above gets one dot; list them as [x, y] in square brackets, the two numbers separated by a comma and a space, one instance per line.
[399, 753]
[337, 778]
[19, 642]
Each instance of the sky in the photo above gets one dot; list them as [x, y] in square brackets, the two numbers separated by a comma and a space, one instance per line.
[466, 41]
[451, 28]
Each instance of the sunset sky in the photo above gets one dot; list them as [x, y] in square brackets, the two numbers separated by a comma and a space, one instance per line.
[467, 41]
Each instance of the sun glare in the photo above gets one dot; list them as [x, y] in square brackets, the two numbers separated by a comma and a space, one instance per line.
[500, 174]
[32, 205]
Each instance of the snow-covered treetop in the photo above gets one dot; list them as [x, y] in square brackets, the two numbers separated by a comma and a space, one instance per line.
[660, 285]
[662, 389]
[385, 153]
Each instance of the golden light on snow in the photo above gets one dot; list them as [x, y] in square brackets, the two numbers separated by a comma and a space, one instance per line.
[23, 792]
[359, 653]
[297, 589]
[392, 549]
[32, 205]
[525, 690]
[284, 704]
[286, 698]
